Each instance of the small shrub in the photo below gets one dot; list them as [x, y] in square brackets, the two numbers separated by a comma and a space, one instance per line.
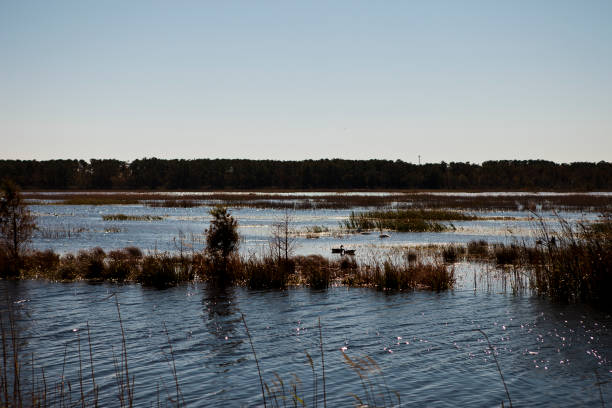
[221, 241]
[434, 276]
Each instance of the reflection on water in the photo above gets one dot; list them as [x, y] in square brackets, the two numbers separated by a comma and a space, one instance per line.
[426, 344]
[222, 318]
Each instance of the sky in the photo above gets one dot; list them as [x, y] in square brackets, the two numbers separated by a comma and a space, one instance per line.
[292, 80]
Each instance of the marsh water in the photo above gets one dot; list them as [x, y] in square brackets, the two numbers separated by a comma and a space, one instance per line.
[68, 228]
[426, 346]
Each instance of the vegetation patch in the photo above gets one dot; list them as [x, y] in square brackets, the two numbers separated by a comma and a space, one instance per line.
[413, 220]
[337, 200]
[107, 199]
[125, 217]
[574, 263]
[176, 203]
[316, 229]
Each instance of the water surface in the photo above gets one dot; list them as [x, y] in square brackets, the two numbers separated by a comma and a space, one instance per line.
[425, 343]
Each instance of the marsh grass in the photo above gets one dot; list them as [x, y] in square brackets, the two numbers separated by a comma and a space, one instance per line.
[399, 271]
[89, 199]
[573, 263]
[507, 254]
[266, 272]
[453, 253]
[317, 229]
[163, 269]
[175, 203]
[409, 200]
[315, 271]
[126, 217]
[478, 250]
[60, 232]
[410, 220]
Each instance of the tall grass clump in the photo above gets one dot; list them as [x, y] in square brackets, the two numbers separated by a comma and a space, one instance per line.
[401, 271]
[122, 263]
[452, 253]
[267, 272]
[478, 250]
[573, 263]
[315, 271]
[41, 263]
[162, 270]
[92, 263]
[392, 276]
[506, 254]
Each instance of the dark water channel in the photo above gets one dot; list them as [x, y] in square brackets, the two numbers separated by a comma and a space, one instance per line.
[425, 344]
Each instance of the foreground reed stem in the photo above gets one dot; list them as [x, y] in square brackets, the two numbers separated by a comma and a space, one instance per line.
[498, 367]
[263, 394]
[322, 363]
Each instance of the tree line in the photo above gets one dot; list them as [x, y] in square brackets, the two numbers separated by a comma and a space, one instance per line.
[203, 174]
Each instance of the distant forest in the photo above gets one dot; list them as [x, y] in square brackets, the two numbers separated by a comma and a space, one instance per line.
[218, 174]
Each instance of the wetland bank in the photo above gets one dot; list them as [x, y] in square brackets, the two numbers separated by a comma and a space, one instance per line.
[423, 344]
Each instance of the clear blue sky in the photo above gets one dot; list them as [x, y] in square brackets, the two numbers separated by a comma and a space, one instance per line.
[447, 80]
